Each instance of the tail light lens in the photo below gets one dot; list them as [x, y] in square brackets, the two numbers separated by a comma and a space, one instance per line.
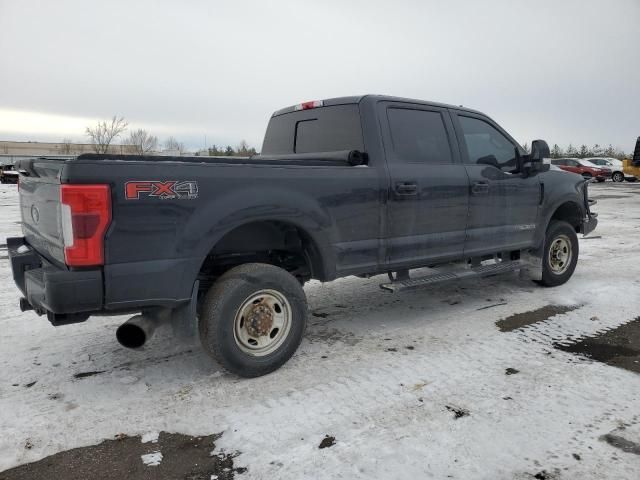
[309, 105]
[86, 214]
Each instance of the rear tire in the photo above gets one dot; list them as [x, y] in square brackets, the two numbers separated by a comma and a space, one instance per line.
[253, 319]
[617, 177]
[560, 254]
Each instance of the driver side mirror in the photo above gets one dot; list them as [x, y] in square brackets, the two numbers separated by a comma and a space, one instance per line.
[539, 151]
[534, 162]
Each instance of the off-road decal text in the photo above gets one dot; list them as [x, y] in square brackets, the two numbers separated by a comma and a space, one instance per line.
[165, 190]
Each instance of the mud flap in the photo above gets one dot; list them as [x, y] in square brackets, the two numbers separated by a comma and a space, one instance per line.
[184, 319]
[531, 264]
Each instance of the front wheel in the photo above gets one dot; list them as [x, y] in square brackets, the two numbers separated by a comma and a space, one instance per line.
[253, 319]
[560, 254]
[617, 177]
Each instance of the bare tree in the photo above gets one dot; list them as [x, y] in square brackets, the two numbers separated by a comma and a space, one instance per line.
[244, 150]
[142, 142]
[104, 132]
[174, 145]
[65, 146]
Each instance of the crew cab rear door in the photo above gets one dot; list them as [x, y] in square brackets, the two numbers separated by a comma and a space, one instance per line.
[428, 186]
[503, 204]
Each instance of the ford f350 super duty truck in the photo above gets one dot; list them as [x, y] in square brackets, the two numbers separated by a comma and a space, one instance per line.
[348, 186]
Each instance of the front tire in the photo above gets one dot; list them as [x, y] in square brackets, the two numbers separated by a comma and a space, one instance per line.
[560, 253]
[617, 177]
[253, 319]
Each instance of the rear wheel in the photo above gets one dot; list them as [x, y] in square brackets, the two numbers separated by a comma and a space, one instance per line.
[253, 319]
[617, 177]
[560, 253]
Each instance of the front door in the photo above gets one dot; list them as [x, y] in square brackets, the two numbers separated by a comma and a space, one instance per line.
[503, 204]
[428, 186]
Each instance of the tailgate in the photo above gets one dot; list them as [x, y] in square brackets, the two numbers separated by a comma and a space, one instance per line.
[39, 189]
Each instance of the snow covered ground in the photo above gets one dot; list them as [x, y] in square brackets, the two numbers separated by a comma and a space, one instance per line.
[418, 384]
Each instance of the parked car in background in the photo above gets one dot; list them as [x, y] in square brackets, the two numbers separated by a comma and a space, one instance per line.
[582, 167]
[617, 170]
[8, 174]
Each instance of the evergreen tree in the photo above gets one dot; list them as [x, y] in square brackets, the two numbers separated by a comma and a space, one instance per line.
[584, 151]
[571, 151]
[609, 151]
[556, 151]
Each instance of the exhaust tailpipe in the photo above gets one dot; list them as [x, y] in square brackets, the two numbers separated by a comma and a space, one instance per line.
[136, 331]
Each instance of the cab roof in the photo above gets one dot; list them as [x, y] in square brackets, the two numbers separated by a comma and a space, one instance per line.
[370, 97]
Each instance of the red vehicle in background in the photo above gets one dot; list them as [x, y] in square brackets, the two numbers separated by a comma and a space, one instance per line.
[582, 167]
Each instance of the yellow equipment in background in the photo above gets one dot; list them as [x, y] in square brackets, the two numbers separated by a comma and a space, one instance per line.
[631, 166]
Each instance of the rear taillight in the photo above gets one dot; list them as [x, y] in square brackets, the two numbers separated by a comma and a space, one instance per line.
[86, 214]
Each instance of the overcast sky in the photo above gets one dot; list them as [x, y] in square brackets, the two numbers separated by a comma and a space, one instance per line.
[565, 71]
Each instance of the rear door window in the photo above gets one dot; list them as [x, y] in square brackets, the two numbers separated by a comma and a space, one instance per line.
[419, 136]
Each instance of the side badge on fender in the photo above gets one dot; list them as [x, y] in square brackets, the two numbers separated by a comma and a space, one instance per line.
[167, 190]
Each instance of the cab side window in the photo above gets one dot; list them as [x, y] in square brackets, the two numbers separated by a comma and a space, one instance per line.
[486, 145]
[419, 136]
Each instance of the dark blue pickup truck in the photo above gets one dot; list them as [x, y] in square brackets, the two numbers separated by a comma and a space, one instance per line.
[348, 186]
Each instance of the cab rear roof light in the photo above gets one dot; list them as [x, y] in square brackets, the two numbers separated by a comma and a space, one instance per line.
[309, 105]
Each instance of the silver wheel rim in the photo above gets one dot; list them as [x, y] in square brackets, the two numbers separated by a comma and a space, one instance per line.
[560, 254]
[618, 177]
[262, 323]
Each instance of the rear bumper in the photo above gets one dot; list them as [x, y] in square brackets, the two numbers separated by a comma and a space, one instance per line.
[59, 293]
[603, 175]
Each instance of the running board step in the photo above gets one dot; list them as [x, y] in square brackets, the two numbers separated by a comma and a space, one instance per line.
[476, 272]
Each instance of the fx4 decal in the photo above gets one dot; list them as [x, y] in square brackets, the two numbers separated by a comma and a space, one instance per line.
[169, 190]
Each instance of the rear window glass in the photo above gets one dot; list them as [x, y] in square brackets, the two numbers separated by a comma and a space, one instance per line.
[324, 129]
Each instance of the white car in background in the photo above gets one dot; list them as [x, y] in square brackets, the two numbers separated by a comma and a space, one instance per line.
[617, 173]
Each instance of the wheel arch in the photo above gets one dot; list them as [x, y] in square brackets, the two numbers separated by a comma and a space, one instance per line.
[261, 235]
[571, 212]
[567, 209]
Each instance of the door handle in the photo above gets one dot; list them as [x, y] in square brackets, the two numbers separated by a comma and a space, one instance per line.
[406, 188]
[480, 188]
